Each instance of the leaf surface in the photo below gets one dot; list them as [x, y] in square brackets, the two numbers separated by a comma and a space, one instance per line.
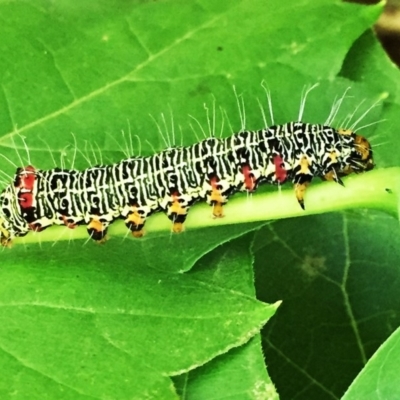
[79, 82]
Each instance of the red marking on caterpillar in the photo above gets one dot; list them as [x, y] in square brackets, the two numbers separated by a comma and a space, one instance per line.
[68, 224]
[35, 227]
[24, 182]
[249, 180]
[25, 200]
[280, 171]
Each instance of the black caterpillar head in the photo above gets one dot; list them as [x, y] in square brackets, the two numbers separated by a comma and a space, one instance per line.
[361, 157]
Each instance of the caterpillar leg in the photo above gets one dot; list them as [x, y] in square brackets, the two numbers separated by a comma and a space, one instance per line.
[218, 211]
[68, 223]
[332, 176]
[216, 198]
[299, 189]
[135, 220]
[302, 180]
[6, 242]
[177, 211]
[97, 230]
[5, 237]
[36, 227]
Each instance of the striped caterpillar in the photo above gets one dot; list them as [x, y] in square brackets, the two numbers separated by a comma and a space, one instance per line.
[174, 179]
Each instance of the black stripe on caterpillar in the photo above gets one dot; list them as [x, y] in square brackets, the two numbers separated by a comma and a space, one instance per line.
[173, 179]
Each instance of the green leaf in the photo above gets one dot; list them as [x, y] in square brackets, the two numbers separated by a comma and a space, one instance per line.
[94, 70]
[240, 373]
[78, 82]
[96, 328]
[378, 380]
[237, 374]
[337, 276]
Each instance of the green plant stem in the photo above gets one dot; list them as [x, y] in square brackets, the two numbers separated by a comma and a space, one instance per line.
[377, 189]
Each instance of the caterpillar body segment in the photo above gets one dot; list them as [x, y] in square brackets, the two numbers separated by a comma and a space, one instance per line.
[174, 179]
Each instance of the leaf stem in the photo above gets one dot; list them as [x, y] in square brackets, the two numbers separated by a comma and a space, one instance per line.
[378, 189]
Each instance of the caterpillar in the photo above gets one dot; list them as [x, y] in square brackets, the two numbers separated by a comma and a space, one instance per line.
[174, 179]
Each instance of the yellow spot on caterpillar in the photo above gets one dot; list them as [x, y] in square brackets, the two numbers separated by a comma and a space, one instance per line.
[217, 196]
[330, 176]
[138, 234]
[304, 166]
[218, 210]
[96, 225]
[299, 190]
[177, 227]
[135, 217]
[345, 131]
[4, 231]
[363, 147]
[176, 208]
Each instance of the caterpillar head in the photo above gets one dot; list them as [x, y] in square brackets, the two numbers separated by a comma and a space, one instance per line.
[360, 158]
